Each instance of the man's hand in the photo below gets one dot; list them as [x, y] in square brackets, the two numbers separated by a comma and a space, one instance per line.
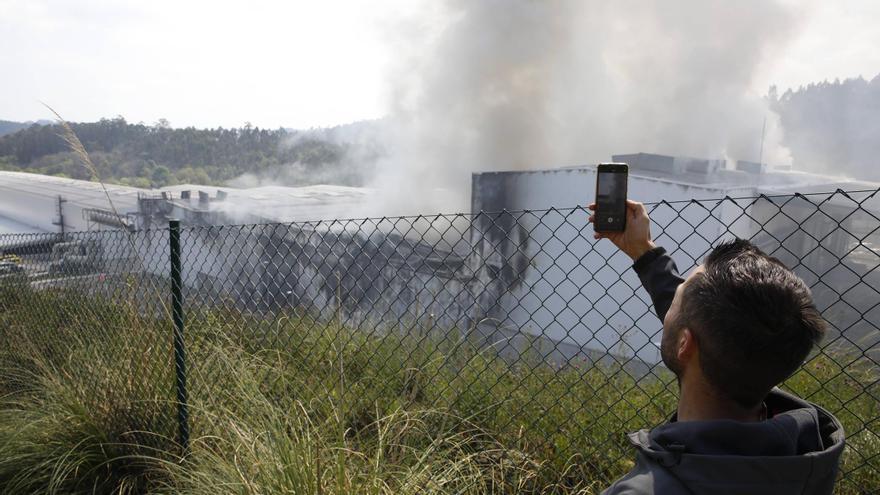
[636, 239]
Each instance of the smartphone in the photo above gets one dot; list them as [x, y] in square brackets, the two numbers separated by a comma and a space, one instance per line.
[610, 214]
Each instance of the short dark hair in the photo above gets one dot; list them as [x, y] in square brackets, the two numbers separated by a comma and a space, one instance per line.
[753, 318]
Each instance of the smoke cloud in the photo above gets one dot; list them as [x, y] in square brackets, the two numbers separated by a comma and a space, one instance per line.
[342, 155]
[522, 84]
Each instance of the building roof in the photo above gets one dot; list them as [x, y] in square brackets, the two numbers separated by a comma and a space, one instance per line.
[80, 192]
[286, 204]
[266, 203]
[766, 182]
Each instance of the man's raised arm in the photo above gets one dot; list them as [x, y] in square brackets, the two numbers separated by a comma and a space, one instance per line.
[655, 268]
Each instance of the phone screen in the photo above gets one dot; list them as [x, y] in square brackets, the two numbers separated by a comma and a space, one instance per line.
[611, 200]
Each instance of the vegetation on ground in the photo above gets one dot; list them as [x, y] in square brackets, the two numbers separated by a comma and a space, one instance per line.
[288, 404]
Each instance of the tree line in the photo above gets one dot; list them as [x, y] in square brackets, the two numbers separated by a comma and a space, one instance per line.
[8, 127]
[158, 155]
[833, 127]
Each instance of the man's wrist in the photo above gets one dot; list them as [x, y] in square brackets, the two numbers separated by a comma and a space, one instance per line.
[638, 251]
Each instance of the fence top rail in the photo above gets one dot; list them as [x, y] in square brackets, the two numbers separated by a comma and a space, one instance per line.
[868, 194]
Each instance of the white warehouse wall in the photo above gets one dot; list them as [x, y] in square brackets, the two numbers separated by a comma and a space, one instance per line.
[34, 211]
[580, 293]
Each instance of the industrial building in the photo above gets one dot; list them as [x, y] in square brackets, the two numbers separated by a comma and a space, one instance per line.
[512, 279]
[581, 294]
[42, 203]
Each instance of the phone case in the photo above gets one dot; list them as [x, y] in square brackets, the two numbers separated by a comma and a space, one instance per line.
[611, 221]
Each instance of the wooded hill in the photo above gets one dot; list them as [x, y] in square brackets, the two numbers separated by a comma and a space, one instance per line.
[8, 126]
[145, 156]
[833, 127]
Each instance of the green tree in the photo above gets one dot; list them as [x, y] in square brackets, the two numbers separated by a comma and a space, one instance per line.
[160, 176]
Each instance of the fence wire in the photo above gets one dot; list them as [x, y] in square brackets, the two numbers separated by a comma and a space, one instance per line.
[518, 323]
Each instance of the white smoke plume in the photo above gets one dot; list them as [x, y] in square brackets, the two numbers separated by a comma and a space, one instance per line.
[352, 151]
[519, 84]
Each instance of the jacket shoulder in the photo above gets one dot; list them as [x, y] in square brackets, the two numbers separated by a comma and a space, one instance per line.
[647, 478]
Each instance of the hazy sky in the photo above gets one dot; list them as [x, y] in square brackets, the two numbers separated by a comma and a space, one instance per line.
[290, 63]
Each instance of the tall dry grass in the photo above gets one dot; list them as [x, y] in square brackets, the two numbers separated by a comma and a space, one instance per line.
[87, 408]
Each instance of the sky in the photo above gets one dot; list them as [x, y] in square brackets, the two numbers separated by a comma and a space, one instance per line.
[297, 64]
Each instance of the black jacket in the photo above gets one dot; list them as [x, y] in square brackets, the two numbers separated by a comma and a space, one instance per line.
[795, 451]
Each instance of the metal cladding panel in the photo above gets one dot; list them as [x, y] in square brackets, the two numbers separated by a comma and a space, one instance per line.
[647, 161]
[567, 298]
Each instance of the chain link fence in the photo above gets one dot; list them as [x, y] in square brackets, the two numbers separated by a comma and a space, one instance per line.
[517, 322]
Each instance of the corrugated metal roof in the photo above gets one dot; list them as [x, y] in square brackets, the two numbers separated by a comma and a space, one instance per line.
[81, 192]
[770, 181]
[286, 204]
[278, 203]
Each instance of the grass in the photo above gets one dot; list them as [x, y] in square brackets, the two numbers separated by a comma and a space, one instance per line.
[87, 387]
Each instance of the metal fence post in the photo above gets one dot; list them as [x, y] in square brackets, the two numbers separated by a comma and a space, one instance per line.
[179, 350]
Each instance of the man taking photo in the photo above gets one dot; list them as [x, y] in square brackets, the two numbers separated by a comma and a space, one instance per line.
[739, 325]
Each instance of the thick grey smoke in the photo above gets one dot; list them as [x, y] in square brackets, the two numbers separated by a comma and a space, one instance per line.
[515, 84]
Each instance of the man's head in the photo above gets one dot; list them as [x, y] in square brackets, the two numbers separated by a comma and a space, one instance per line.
[750, 320]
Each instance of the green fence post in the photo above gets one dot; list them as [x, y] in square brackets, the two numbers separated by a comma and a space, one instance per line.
[179, 349]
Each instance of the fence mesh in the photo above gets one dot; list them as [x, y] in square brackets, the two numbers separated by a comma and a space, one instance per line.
[518, 324]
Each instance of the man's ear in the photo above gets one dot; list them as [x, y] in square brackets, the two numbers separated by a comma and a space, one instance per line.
[686, 345]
